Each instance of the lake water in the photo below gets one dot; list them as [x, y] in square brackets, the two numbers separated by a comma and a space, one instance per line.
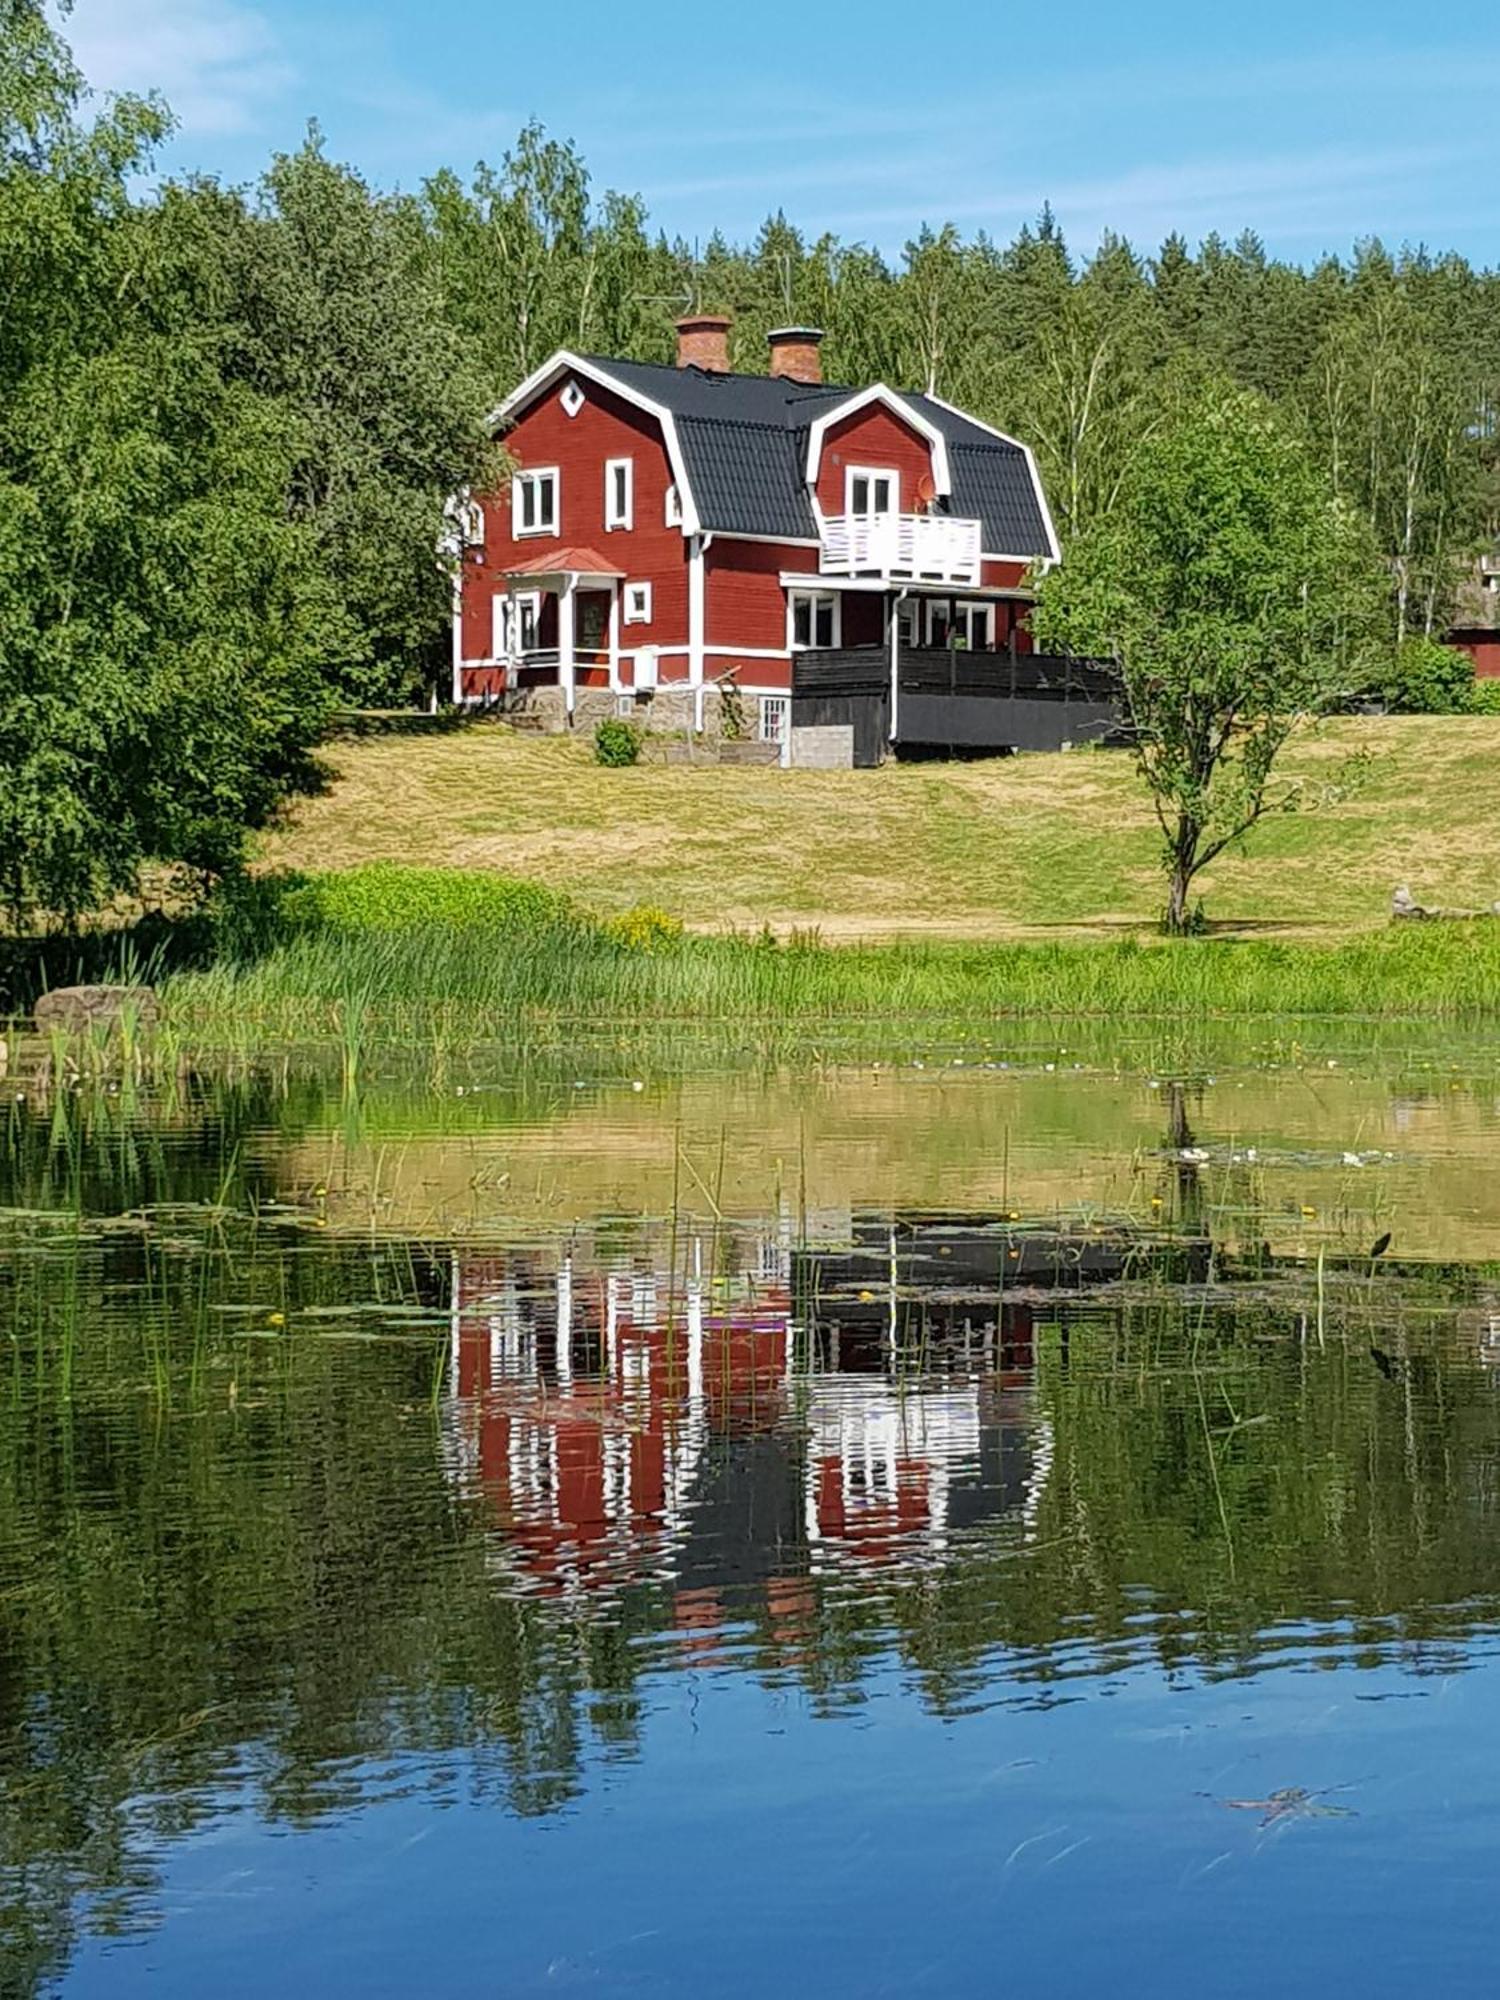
[991, 1520]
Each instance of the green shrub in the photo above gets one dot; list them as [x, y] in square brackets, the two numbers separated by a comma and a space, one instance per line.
[385, 897]
[1426, 678]
[617, 743]
[645, 928]
[1485, 699]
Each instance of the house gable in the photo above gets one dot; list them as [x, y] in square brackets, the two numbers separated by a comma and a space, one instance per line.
[579, 440]
[873, 437]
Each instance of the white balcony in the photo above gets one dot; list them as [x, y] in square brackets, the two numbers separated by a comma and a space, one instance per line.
[909, 548]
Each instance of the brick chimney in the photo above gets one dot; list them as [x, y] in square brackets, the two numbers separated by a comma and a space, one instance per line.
[703, 342]
[794, 353]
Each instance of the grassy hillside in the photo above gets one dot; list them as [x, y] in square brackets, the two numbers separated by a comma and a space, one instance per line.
[1026, 846]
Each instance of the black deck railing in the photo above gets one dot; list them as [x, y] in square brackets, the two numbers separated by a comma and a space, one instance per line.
[1002, 676]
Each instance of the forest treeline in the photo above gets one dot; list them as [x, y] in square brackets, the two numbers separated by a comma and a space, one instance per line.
[230, 419]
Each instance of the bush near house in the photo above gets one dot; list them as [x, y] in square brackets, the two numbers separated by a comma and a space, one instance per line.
[617, 743]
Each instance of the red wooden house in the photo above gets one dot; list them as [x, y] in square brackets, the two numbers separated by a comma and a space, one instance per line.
[836, 571]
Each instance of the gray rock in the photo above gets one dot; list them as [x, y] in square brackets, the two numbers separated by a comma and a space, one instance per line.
[76, 1009]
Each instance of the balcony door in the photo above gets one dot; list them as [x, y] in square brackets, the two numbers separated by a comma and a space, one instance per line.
[870, 491]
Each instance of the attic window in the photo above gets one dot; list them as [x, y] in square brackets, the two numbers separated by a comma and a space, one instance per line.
[673, 513]
[572, 399]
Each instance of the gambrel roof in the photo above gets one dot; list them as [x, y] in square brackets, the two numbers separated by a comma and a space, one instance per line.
[740, 445]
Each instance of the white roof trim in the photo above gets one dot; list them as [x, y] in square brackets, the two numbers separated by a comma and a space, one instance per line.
[566, 363]
[1055, 547]
[834, 586]
[899, 407]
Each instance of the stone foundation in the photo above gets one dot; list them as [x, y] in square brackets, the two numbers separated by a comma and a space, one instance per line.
[826, 746]
[670, 711]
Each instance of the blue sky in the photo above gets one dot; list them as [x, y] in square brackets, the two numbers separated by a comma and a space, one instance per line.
[1314, 123]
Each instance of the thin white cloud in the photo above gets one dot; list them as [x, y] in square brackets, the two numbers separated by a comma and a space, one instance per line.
[218, 64]
[1307, 189]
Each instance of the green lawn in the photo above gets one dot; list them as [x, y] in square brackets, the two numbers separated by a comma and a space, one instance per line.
[1025, 846]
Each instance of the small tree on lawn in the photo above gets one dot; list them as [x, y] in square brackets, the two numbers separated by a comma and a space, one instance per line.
[1238, 598]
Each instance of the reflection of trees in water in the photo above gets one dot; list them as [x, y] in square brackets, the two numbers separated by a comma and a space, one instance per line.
[237, 1554]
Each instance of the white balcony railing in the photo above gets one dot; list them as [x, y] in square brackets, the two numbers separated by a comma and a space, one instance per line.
[927, 548]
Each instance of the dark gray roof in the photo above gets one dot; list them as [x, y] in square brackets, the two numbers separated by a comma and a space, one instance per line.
[744, 440]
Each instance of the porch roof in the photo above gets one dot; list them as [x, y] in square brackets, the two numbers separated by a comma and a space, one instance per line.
[565, 562]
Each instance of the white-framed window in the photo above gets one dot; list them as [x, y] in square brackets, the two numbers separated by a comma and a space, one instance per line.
[535, 501]
[970, 625]
[672, 508]
[624, 704]
[515, 623]
[470, 517]
[813, 618]
[775, 717]
[909, 621]
[619, 492]
[871, 489]
[637, 604]
[571, 400]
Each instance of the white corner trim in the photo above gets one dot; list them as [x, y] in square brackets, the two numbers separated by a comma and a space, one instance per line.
[899, 407]
[566, 363]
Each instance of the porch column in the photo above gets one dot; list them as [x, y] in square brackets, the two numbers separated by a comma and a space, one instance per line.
[566, 655]
[614, 635]
[894, 615]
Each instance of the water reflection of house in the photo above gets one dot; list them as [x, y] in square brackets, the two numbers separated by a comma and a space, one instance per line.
[735, 1439]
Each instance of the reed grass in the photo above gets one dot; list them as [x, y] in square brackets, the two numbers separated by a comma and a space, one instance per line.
[447, 984]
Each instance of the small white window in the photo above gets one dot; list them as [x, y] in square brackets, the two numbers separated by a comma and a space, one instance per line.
[814, 618]
[871, 489]
[625, 704]
[572, 399]
[619, 492]
[534, 502]
[471, 524]
[637, 604]
[673, 511]
[775, 713]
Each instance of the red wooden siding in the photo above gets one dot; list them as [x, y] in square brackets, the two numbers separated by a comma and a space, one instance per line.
[649, 552]
[1483, 648]
[745, 604]
[873, 437]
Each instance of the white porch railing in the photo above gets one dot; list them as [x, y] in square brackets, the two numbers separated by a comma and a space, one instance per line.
[936, 548]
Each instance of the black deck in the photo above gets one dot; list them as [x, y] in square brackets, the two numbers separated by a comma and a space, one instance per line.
[957, 701]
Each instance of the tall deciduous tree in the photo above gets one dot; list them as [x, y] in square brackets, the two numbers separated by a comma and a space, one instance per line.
[1239, 597]
[159, 612]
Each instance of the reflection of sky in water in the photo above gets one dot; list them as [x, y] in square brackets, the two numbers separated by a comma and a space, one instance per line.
[830, 1599]
[750, 1847]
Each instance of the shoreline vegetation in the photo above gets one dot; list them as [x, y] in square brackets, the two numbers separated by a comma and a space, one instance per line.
[383, 957]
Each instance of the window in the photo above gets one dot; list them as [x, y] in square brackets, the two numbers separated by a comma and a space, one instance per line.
[591, 622]
[619, 492]
[908, 621]
[637, 604]
[515, 623]
[775, 713]
[534, 502]
[471, 524]
[969, 625]
[673, 509]
[572, 399]
[871, 490]
[625, 704]
[815, 619]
